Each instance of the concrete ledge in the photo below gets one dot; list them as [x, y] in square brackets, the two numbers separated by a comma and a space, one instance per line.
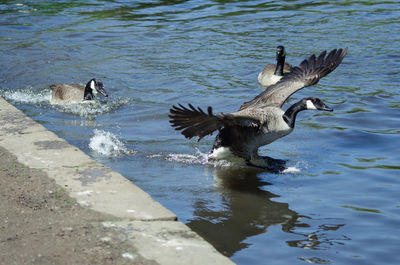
[93, 185]
[165, 241]
[100, 188]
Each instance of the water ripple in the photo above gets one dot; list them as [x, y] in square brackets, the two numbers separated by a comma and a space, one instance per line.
[158, 53]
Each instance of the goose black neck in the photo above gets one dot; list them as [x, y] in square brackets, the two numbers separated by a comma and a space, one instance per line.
[280, 62]
[290, 114]
[88, 94]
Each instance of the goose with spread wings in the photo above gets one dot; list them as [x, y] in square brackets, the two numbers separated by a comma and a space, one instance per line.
[260, 121]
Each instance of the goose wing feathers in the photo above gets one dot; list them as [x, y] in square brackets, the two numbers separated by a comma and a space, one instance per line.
[195, 122]
[308, 73]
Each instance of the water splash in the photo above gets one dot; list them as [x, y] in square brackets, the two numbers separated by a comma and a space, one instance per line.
[30, 95]
[291, 170]
[296, 167]
[107, 144]
[198, 158]
[201, 158]
[93, 108]
[26, 95]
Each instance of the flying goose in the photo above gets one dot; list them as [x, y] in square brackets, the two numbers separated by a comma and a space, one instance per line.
[260, 121]
[272, 73]
[73, 93]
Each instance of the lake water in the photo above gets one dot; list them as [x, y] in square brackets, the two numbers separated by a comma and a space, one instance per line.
[339, 200]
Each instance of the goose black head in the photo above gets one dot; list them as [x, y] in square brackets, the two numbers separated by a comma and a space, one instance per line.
[280, 52]
[313, 103]
[280, 60]
[92, 87]
[310, 103]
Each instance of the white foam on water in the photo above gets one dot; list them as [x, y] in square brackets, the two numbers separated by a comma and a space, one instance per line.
[26, 95]
[201, 158]
[107, 144]
[198, 158]
[87, 109]
[298, 167]
[212, 160]
[290, 170]
[92, 108]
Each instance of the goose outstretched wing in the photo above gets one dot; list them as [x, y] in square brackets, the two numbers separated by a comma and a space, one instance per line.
[195, 122]
[308, 73]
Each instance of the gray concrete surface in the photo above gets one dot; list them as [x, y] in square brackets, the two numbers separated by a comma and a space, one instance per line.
[145, 223]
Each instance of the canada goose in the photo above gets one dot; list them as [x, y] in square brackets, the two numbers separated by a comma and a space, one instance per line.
[260, 121]
[272, 73]
[73, 93]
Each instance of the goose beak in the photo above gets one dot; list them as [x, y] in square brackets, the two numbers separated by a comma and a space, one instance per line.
[104, 93]
[101, 90]
[325, 108]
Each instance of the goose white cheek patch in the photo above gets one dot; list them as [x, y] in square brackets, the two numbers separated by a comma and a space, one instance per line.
[94, 91]
[310, 105]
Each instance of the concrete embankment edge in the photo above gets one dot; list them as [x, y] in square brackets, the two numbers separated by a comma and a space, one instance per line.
[145, 223]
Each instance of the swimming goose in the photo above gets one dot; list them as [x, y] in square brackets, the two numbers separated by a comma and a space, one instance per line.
[260, 121]
[73, 93]
[272, 73]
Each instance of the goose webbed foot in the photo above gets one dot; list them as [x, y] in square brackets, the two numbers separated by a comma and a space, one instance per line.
[268, 163]
[248, 163]
[273, 161]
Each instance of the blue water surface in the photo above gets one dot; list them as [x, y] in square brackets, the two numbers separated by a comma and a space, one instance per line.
[339, 203]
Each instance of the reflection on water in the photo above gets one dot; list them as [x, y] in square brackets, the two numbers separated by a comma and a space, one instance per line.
[337, 203]
[322, 238]
[249, 210]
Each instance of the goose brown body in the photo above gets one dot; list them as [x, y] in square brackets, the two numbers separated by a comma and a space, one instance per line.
[66, 93]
